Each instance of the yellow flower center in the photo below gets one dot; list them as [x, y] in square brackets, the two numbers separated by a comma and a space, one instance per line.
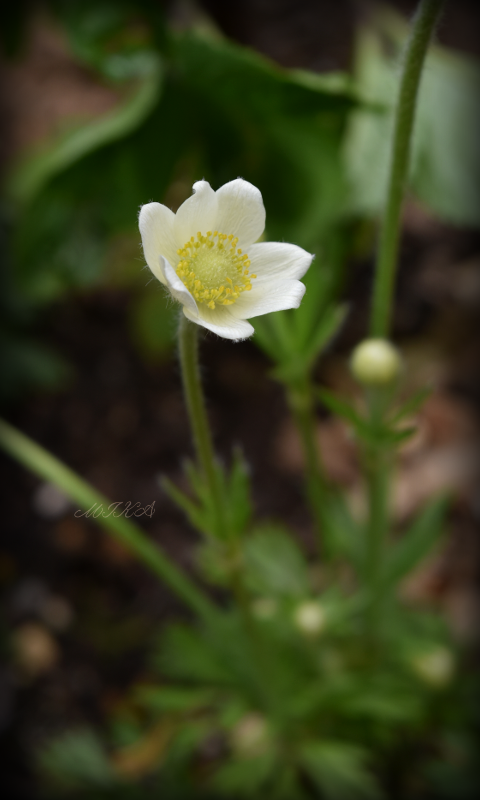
[213, 269]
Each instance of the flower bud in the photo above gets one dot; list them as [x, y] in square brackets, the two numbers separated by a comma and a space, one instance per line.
[375, 362]
[309, 617]
[250, 736]
[435, 667]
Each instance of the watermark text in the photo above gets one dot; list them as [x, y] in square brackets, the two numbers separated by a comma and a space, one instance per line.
[120, 509]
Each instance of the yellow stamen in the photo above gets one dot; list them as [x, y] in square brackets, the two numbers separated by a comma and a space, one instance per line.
[211, 272]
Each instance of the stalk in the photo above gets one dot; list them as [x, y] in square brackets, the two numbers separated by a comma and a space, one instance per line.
[188, 351]
[423, 26]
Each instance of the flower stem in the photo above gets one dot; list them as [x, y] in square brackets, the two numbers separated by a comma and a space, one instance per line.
[188, 347]
[188, 350]
[422, 29]
[46, 466]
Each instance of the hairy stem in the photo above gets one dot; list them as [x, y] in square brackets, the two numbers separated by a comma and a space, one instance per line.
[188, 350]
[422, 29]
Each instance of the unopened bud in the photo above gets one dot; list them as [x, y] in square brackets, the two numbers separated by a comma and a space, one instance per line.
[309, 617]
[250, 736]
[375, 362]
[435, 667]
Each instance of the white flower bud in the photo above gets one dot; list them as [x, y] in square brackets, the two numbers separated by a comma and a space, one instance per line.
[375, 362]
[435, 667]
[250, 736]
[309, 617]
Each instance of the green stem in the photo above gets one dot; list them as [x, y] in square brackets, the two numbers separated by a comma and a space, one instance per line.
[422, 29]
[188, 347]
[46, 466]
[188, 350]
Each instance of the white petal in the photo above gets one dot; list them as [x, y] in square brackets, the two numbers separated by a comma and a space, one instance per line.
[240, 211]
[278, 261]
[198, 213]
[178, 288]
[156, 228]
[263, 300]
[221, 321]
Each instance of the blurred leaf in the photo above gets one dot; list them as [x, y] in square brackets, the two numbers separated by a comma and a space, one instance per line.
[417, 542]
[245, 777]
[338, 769]
[185, 654]
[284, 136]
[172, 698]
[238, 494]
[198, 515]
[77, 760]
[327, 327]
[411, 406]
[347, 412]
[35, 169]
[445, 169]
[274, 564]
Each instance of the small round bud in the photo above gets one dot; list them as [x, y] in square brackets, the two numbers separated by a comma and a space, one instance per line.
[375, 362]
[435, 667]
[250, 736]
[309, 617]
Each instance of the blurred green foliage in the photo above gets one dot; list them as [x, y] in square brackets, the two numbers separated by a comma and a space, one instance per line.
[191, 104]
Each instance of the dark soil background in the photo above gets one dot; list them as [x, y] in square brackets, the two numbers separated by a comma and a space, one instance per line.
[78, 611]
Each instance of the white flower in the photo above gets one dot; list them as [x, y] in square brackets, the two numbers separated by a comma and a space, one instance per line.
[207, 257]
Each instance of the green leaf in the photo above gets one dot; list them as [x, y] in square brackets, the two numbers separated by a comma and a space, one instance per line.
[274, 564]
[34, 170]
[339, 771]
[77, 760]
[411, 406]
[344, 410]
[198, 515]
[187, 654]
[245, 777]
[173, 698]
[238, 500]
[325, 329]
[417, 542]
